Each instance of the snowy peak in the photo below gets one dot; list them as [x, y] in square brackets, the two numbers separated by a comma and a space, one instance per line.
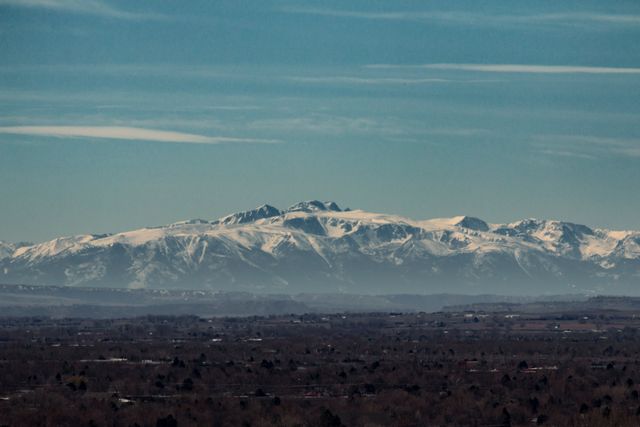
[471, 223]
[262, 212]
[541, 228]
[532, 225]
[314, 206]
[268, 211]
[56, 247]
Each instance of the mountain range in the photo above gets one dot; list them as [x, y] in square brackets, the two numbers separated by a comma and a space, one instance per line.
[315, 247]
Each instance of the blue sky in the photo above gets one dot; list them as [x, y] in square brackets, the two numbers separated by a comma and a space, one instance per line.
[119, 114]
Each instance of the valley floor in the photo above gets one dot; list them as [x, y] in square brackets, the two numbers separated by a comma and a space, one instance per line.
[379, 369]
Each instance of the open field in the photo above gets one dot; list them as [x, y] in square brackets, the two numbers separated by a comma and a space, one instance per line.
[577, 368]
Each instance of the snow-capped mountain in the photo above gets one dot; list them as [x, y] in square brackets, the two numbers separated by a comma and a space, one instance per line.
[316, 246]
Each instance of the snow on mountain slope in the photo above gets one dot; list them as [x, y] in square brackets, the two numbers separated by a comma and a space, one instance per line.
[314, 206]
[314, 246]
[6, 249]
[264, 211]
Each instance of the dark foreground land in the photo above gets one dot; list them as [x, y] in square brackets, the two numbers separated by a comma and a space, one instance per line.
[457, 368]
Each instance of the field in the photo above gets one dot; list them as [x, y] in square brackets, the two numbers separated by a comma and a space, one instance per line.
[479, 368]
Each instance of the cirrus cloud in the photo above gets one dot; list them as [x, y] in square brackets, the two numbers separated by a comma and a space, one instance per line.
[124, 133]
[87, 7]
[515, 68]
[474, 18]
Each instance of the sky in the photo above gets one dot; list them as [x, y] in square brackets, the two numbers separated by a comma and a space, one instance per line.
[116, 115]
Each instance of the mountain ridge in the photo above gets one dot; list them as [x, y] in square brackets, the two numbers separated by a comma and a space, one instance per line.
[316, 245]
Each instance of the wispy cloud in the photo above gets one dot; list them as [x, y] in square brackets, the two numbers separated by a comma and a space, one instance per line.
[479, 19]
[367, 80]
[587, 146]
[458, 132]
[322, 124]
[515, 68]
[588, 17]
[388, 15]
[124, 133]
[89, 7]
[380, 81]
[377, 128]
[567, 153]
